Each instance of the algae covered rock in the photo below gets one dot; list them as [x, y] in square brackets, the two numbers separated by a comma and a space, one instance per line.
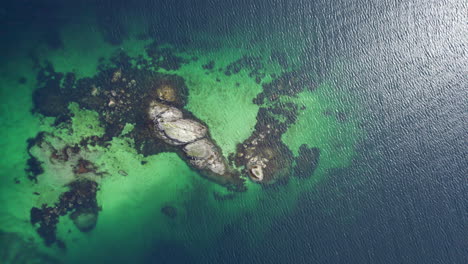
[306, 162]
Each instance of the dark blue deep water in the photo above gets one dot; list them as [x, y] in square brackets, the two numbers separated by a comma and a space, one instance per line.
[405, 197]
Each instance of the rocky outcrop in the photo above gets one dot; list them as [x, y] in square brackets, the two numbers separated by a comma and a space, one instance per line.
[264, 156]
[204, 155]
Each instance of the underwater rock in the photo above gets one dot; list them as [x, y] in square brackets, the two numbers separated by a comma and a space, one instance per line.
[85, 221]
[123, 173]
[169, 211]
[306, 162]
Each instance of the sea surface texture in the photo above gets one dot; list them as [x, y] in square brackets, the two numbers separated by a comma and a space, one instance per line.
[234, 131]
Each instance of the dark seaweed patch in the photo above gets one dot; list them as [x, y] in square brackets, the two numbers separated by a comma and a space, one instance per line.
[33, 165]
[49, 99]
[306, 162]
[254, 64]
[80, 198]
[164, 57]
[265, 144]
[280, 57]
[34, 168]
[289, 84]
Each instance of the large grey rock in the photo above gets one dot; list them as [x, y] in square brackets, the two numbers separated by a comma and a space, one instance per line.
[170, 126]
[204, 155]
[181, 131]
[163, 113]
[201, 149]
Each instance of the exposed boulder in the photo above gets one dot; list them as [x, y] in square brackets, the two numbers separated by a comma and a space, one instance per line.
[204, 155]
[181, 131]
[159, 112]
[256, 172]
[172, 128]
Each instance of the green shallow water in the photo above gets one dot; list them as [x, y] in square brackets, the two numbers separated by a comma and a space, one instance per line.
[131, 217]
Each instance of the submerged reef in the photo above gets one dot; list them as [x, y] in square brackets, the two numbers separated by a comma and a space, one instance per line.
[69, 166]
[307, 161]
[154, 104]
[80, 200]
